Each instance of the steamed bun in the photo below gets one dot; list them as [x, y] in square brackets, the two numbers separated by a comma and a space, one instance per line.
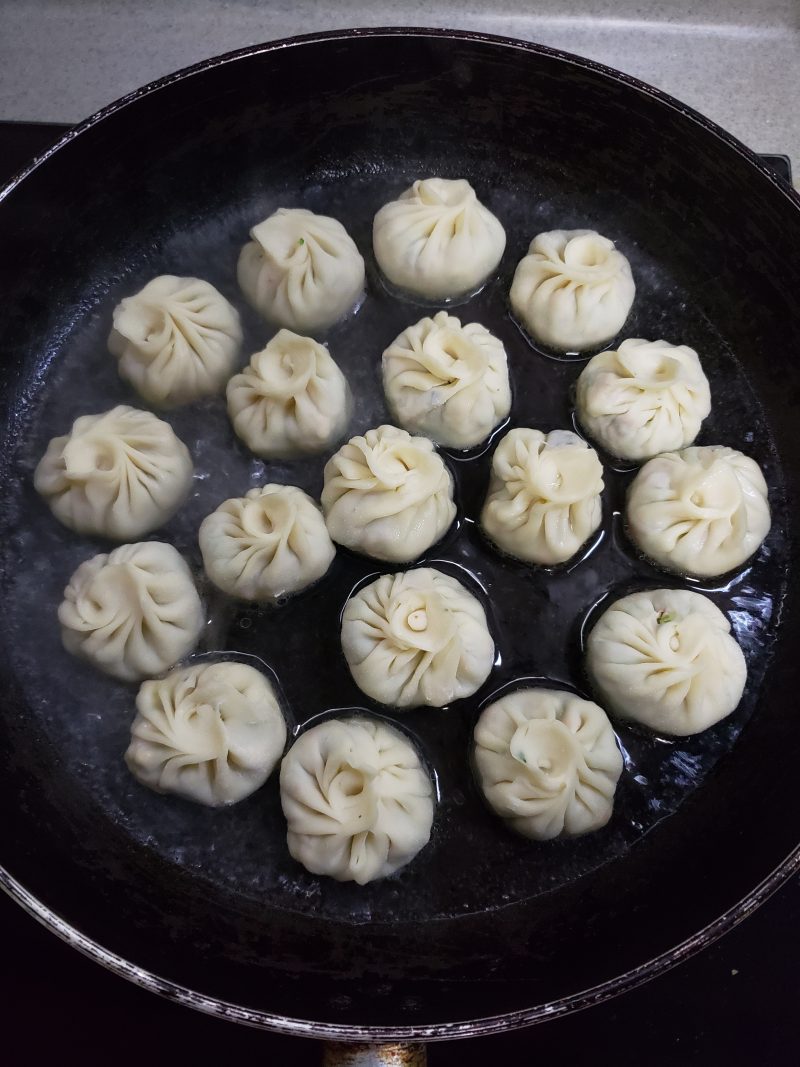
[132, 613]
[437, 240]
[647, 397]
[267, 544]
[357, 800]
[209, 733]
[447, 381]
[702, 511]
[177, 340]
[301, 270]
[416, 638]
[573, 290]
[547, 762]
[388, 495]
[666, 658]
[291, 400]
[543, 502]
[120, 474]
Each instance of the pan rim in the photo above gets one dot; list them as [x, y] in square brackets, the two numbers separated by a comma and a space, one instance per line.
[449, 1031]
[212, 62]
[258, 1019]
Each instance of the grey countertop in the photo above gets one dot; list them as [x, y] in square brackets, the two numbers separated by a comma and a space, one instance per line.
[737, 61]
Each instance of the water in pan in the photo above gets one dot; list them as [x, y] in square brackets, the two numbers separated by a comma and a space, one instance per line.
[537, 616]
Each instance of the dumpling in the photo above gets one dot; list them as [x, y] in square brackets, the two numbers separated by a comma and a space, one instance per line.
[267, 544]
[416, 638]
[543, 502]
[301, 270]
[132, 613]
[647, 397]
[120, 474]
[176, 340]
[357, 800]
[573, 290]
[437, 240]
[666, 658]
[547, 762]
[388, 495]
[447, 381]
[702, 511]
[209, 733]
[291, 400]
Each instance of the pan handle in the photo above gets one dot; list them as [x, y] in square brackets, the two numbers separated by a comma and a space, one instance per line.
[395, 1055]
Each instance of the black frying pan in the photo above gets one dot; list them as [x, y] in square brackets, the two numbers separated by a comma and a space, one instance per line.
[483, 931]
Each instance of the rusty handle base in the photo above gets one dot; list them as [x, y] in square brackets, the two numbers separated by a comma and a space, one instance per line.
[395, 1055]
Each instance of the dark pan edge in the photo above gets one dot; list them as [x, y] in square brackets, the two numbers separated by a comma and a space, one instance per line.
[412, 31]
[442, 1032]
[445, 1031]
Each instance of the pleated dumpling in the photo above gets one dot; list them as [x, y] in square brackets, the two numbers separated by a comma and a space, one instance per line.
[417, 638]
[573, 290]
[267, 544]
[666, 658]
[447, 381]
[119, 474]
[291, 400]
[547, 762]
[132, 613]
[301, 270]
[357, 800]
[211, 733]
[388, 495]
[437, 240]
[176, 340]
[702, 511]
[645, 398]
[544, 495]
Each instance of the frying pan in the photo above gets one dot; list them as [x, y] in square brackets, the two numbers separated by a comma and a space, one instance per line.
[483, 932]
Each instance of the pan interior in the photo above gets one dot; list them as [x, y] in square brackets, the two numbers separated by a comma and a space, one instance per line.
[472, 864]
[173, 186]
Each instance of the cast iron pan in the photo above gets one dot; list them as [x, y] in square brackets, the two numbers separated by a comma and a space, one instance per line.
[483, 930]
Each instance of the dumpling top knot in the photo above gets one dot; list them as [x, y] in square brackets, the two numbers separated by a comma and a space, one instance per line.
[441, 192]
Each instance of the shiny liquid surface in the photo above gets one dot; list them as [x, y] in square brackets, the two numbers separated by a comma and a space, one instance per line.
[538, 617]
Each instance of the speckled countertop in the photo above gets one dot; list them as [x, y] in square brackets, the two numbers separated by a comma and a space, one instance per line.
[737, 61]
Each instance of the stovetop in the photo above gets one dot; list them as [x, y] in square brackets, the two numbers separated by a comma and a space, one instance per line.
[735, 1003]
